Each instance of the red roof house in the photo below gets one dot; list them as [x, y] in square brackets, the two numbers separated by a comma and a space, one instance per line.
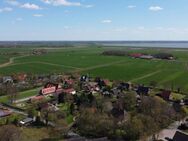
[136, 55]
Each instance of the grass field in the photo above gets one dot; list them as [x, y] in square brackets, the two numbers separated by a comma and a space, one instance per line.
[166, 74]
[21, 95]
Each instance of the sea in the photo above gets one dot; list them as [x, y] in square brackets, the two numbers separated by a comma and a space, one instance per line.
[157, 44]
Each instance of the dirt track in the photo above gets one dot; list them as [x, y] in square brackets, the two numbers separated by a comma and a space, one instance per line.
[11, 61]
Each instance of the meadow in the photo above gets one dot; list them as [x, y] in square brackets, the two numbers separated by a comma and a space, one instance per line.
[89, 60]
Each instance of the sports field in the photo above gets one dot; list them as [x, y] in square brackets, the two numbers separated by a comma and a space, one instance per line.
[164, 73]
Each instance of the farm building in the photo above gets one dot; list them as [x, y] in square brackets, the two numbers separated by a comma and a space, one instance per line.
[136, 55]
[50, 88]
[146, 57]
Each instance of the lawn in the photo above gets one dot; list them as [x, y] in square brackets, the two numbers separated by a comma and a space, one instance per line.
[21, 95]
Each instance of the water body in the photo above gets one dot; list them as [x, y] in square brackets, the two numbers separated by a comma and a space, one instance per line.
[160, 44]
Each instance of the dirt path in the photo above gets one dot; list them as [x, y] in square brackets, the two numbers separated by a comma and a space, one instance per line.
[98, 66]
[145, 76]
[11, 61]
[47, 63]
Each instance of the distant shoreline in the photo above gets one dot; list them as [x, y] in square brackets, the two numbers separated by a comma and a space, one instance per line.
[130, 44]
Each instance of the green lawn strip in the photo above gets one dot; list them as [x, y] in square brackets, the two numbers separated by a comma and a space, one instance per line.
[21, 95]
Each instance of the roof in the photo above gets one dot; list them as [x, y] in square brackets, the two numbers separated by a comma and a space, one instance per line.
[4, 113]
[68, 91]
[40, 97]
[69, 81]
[179, 136]
[136, 55]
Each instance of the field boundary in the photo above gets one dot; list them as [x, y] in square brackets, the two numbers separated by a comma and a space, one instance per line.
[145, 76]
[40, 62]
[99, 66]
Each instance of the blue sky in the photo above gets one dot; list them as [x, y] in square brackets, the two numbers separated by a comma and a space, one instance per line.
[93, 20]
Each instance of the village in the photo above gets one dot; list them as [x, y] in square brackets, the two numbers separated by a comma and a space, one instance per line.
[64, 102]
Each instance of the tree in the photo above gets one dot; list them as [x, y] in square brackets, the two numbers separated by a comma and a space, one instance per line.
[11, 91]
[133, 129]
[94, 124]
[129, 101]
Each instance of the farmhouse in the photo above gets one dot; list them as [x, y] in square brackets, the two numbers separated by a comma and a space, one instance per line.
[136, 55]
[146, 57]
[50, 88]
[164, 56]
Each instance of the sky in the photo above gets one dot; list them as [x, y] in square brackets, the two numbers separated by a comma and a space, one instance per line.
[61, 20]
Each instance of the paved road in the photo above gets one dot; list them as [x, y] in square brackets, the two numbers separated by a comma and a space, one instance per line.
[168, 132]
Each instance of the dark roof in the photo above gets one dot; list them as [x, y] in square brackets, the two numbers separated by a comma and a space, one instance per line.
[179, 136]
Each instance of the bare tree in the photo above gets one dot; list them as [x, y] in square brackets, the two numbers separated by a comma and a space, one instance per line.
[11, 91]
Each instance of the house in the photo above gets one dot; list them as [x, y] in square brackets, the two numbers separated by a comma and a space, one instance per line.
[146, 57]
[93, 87]
[136, 55]
[84, 78]
[21, 77]
[68, 83]
[180, 136]
[142, 90]
[7, 79]
[69, 91]
[165, 95]
[185, 101]
[101, 83]
[37, 98]
[51, 88]
[106, 82]
[124, 86]
[115, 91]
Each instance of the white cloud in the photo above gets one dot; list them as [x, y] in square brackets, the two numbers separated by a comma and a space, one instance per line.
[66, 27]
[31, 6]
[13, 2]
[62, 2]
[155, 8]
[6, 9]
[38, 15]
[89, 6]
[131, 6]
[19, 19]
[107, 21]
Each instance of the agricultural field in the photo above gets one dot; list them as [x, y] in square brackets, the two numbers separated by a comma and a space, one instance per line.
[89, 60]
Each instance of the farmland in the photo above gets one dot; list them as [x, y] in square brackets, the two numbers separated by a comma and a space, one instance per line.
[90, 60]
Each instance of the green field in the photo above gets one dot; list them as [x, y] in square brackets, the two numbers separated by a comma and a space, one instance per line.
[22, 95]
[166, 74]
